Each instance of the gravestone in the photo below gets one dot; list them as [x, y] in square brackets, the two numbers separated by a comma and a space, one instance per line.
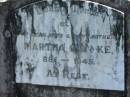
[70, 44]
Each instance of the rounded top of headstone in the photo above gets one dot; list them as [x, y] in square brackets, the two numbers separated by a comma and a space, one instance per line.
[87, 2]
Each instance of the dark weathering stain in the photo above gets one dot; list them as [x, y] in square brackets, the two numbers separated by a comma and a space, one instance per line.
[30, 69]
[78, 3]
[117, 29]
[77, 45]
[103, 11]
[15, 23]
[61, 3]
[30, 13]
[21, 72]
[42, 5]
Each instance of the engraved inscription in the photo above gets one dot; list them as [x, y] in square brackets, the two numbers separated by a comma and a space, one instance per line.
[70, 43]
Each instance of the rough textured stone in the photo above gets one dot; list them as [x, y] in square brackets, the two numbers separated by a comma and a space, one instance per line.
[6, 74]
[3, 70]
[39, 26]
[25, 90]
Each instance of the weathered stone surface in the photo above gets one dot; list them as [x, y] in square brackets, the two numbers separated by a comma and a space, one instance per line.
[24, 90]
[74, 44]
